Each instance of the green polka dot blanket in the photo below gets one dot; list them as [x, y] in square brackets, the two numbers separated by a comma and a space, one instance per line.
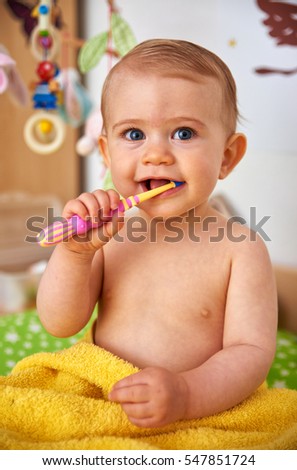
[283, 372]
[22, 334]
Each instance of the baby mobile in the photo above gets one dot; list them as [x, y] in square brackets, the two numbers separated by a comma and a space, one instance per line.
[44, 131]
[58, 96]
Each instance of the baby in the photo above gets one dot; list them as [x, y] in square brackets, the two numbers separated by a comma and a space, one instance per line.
[197, 312]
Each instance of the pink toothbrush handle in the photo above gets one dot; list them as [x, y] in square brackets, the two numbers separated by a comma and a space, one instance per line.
[80, 226]
[83, 226]
[63, 230]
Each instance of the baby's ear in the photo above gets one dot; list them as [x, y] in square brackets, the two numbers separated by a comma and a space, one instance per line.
[103, 149]
[234, 151]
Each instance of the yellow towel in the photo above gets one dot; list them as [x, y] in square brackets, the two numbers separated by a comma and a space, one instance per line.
[59, 401]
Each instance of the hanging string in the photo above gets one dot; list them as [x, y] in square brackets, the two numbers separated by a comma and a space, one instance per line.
[64, 70]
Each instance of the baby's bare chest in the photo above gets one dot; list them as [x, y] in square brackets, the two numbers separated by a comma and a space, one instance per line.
[180, 274]
[169, 300]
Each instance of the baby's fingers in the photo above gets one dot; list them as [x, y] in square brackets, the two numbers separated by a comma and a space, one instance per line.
[114, 198]
[85, 206]
[99, 209]
[95, 206]
[101, 206]
[75, 206]
[131, 394]
[138, 411]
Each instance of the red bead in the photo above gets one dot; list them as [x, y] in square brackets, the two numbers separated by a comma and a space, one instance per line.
[46, 70]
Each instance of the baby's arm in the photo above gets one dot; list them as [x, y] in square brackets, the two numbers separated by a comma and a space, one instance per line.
[249, 339]
[155, 397]
[71, 283]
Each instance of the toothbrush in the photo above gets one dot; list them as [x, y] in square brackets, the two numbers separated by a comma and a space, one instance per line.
[61, 231]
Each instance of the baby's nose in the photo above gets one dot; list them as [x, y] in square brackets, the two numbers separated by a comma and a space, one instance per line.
[158, 155]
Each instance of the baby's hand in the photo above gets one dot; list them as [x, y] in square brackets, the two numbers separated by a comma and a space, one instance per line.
[152, 397]
[96, 206]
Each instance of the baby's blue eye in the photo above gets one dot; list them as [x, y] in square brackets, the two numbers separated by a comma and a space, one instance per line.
[183, 134]
[134, 134]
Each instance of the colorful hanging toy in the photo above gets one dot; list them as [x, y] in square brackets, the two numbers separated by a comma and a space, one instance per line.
[44, 131]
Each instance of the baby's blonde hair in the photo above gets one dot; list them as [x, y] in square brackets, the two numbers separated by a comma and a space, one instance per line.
[178, 57]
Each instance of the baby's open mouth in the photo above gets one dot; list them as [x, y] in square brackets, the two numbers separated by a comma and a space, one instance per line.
[149, 184]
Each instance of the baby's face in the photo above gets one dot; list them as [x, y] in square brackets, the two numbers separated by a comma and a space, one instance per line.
[165, 128]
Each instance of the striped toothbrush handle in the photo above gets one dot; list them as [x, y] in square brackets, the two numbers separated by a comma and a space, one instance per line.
[64, 229]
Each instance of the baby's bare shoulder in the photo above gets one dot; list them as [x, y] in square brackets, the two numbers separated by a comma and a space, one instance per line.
[245, 242]
[235, 234]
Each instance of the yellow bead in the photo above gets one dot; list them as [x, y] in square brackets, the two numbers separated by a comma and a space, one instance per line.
[45, 127]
